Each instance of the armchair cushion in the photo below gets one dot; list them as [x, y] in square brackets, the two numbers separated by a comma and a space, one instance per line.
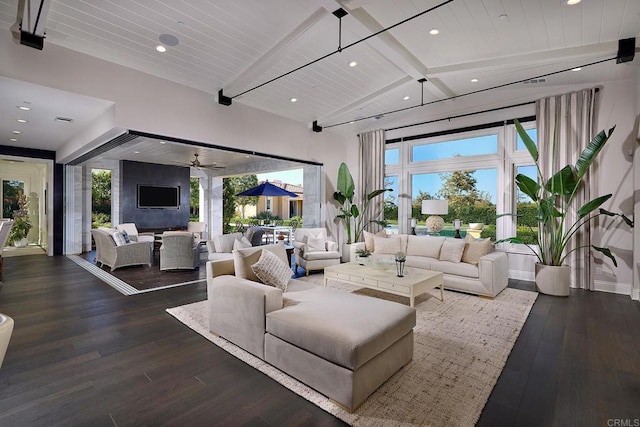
[224, 242]
[118, 238]
[242, 243]
[315, 244]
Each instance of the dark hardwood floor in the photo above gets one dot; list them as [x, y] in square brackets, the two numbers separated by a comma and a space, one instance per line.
[83, 354]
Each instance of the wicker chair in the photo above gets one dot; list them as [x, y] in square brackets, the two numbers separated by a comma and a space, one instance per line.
[179, 251]
[107, 253]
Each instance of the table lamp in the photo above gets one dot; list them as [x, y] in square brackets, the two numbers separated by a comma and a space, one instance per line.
[435, 223]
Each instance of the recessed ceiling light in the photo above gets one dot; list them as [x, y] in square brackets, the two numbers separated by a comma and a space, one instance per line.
[247, 155]
[21, 121]
[161, 48]
[576, 69]
[474, 80]
[13, 140]
[294, 100]
[136, 152]
[351, 122]
[572, 2]
[405, 98]
[23, 107]
[434, 31]
[163, 142]
[16, 132]
[353, 64]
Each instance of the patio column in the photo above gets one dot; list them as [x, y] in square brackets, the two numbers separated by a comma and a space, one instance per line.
[215, 207]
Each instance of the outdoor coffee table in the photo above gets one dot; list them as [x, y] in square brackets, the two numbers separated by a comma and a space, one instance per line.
[416, 281]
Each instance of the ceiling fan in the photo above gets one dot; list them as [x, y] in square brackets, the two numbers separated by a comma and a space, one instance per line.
[195, 163]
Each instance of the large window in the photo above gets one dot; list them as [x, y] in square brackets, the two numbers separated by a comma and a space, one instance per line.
[526, 223]
[487, 144]
[475, 172]
[392, 156]
[472, 196]
[391, 199]
[533, 134]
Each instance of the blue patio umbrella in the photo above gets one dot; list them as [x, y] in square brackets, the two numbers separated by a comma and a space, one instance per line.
[267, 189]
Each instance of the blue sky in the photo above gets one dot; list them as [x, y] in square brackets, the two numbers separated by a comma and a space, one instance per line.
[290, 176]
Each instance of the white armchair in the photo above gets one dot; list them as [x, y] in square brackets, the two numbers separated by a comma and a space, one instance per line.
[199, 229]
[179, 250]
[313, 250]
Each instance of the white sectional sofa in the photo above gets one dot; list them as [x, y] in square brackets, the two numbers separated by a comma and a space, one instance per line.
[341, 344]
[467, 265]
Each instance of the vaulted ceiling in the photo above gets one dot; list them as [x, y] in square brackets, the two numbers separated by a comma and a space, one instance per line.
[239, 45]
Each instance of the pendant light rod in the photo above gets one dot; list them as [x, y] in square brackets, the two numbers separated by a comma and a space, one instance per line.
[339, 50]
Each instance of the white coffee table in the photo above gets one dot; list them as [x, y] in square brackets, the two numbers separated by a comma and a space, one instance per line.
[416, 281]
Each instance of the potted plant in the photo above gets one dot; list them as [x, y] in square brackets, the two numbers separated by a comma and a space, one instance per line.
[362, 256]
[554, 197]
[350, 211]
[19, 231]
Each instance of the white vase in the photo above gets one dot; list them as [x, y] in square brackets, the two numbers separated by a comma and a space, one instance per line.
[346, 252]
[21, 243]
[553, 280]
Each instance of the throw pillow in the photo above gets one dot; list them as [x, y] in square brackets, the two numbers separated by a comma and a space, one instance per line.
[242, 243]
[243, 259]
[387, 245]
[316, 244]
[428, 246]
[476, 249]
[224, 242]
[118, 238]
[368, 239]
[452, 250]
[272, 271]
[125, 235]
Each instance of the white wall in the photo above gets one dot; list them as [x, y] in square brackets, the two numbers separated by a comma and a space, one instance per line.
[150, 104]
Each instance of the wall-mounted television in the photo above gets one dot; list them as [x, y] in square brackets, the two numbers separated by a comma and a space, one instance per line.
[153, 196]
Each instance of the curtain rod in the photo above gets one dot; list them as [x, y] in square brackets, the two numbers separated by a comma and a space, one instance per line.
[465, 115]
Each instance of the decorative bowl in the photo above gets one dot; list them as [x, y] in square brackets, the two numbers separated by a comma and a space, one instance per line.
[476, 225]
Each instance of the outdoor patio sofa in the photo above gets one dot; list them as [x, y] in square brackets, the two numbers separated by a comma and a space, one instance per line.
[114, 256]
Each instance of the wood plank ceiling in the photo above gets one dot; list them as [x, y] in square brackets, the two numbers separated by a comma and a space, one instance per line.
[236, 45]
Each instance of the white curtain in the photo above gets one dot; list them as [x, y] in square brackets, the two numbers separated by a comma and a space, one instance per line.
[371, 169]
[571, 117]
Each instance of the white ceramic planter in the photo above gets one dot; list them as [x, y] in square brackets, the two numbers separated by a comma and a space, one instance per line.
[553, 280]
[21, 243]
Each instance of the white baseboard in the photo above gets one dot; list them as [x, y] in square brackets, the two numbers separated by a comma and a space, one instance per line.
[522, 275]
[613, 287]
[635, 294]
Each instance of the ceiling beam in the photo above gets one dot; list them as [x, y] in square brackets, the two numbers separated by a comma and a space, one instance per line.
[364, 100]
[564, 55]
[270, 58]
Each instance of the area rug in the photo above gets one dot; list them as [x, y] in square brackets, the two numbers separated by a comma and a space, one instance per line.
[460, 348]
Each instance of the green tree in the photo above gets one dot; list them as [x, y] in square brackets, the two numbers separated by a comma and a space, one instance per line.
[465, 201]
[242, 183]
[228, 204]
[194, 203]
[101, 191]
